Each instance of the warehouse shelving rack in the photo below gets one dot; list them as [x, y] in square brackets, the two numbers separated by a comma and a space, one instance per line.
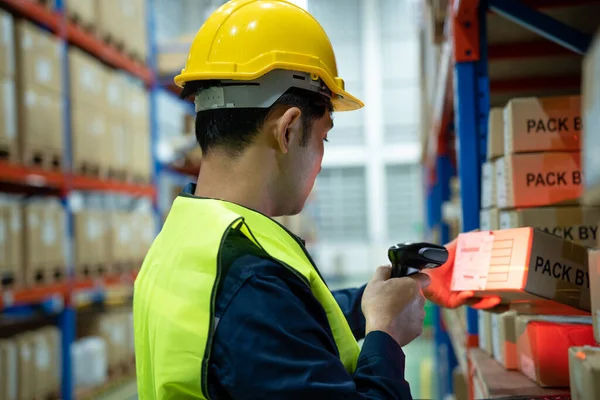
[61, 300]
[460, 111]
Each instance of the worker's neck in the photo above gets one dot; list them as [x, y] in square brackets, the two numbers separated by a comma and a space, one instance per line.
[244, 181]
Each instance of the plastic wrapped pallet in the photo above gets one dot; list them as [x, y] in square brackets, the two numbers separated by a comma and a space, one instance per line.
[90, 357]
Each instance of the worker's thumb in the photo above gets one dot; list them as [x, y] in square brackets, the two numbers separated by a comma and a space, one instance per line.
[382, 273]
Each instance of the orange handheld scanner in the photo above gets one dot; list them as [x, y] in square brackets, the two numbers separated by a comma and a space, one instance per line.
[411, 258]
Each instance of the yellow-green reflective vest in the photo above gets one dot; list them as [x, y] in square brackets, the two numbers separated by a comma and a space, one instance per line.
[174, 297]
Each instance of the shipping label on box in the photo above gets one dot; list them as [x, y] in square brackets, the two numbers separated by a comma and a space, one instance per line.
[488, 185]
[584, 371]
[544, 338]
[522, 264]
[540, 179]
[7, 45]
[578, 224]
[495, 134]
[538, 124]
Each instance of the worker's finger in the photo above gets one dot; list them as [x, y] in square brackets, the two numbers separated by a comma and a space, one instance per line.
[486, 302]
[382, 273]
[422, 279]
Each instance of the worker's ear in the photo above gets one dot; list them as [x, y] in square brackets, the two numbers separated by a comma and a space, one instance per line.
[288, 128]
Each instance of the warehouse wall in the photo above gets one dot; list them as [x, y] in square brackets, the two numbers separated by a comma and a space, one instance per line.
[383, 73]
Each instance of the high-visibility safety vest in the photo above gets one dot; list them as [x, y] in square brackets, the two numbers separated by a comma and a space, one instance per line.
[174, 295]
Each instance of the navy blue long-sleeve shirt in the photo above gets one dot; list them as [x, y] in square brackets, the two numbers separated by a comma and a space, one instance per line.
[273, 341]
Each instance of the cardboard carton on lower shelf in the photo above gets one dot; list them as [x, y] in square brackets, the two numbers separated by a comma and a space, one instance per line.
[577, 224]
[543, 344]
[504, 341]
[584, 370]
[538, 179]
[486, 328]
[25, 370]
[537, 124]
[594, 268]
[489, 220]
[522, 264]
[9, 362]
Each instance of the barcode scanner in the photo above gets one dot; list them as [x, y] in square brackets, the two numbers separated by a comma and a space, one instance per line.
[410, 258]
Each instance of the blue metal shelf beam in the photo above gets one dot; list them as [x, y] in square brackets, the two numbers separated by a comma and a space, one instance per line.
[542, 24]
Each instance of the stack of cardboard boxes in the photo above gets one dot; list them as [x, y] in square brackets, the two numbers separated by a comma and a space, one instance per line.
[39, 96]
[44, 241]
[533, 176]
[110, 121]
[30, 363]
[111, 241]
[120, 23]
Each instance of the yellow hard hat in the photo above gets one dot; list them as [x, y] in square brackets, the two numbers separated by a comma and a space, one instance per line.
[246, 39]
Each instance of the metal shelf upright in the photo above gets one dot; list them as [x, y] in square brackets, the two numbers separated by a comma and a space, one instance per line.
[464, 70]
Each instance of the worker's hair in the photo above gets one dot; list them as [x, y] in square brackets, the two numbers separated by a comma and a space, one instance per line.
[233, 129]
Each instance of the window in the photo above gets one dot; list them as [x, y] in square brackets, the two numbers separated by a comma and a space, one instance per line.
[404, 202]
[341, 204]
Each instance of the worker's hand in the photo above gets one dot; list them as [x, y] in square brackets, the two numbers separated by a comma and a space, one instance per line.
[439, 291]
[395, 306]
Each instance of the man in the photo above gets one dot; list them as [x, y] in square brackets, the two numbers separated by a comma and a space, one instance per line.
[228, 303]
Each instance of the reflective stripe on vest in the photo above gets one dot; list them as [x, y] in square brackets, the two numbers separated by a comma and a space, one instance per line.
[174, 297]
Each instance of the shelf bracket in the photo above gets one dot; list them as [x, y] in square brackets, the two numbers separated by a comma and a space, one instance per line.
[542, 24]
[465, 30]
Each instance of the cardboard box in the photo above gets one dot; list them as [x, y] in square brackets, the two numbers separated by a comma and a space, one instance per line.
[120, 145]
[540, 179]
[26, 385]
[8, 118]
[495, 134]
[111, 326]
[7, 45]
[488, 185]
[489, 220]
[90, 238]
[39, 57]
[577, 224]
[10, 241]
[504, 340]
[591, 119]
[522, 264]
[116, 95]
[9, 362]
[83, 11]
[52, 338]
[484, 320]
[594, 271]
[537, 124]
[461, 389]
[87, 79]
[110, 21]
[584, 372]
[134, 13]
[40, 122]
[90, 134]
[42, 364]
[543, 344]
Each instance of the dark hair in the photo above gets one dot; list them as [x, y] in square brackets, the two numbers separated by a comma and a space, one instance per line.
[233, 129]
